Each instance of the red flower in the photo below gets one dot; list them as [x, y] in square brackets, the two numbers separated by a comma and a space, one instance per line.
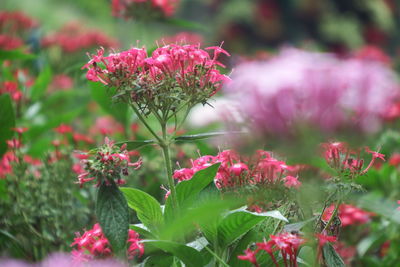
[323, 239]
[249, 256]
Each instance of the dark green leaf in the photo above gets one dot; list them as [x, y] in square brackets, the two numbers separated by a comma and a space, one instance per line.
[147, 207]
[159, 260]
[189, 256]
[332, 259]
[113, 215]
[297, 226]
[103, 97]
[195, 137]
[7, 121]
[131, 145]
[15, 54]
[41, 83]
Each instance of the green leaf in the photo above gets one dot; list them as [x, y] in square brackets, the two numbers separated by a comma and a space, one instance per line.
[147, 207]
[332, 259]
[200, 180]
[113, 215]
[41, 83]
[236, 224]
[131, 145]
[191, 188]
[188, 255]
[7, 122]
[15, 54]
[159, 260]
[196, 137]
[141, 230]
[298, 226]
[103, 97]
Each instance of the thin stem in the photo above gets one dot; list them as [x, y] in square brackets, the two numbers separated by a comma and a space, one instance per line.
[335, 212]
[216, 257]
[142, 119]
[167, 160]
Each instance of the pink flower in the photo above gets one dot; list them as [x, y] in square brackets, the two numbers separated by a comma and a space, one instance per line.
[249, 256]
[291, 181]
[323, 239]
[298, 87]
[348, 214]
[398, 202]
[127, 8]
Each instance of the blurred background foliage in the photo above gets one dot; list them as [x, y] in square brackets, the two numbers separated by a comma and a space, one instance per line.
[41, 215]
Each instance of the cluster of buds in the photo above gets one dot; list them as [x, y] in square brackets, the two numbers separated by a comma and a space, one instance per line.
[261, 169]
[143, 8]
[288, 244]
[172, 75]
[73, 38]
[342, 159]
[94, 245]
[108, 163]
[348, 214]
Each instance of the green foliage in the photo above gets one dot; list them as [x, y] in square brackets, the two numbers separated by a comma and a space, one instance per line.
[113, 216]
[7, 121]
[40, 86]
[332, 259]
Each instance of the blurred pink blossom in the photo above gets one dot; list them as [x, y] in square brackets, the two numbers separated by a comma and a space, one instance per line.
[318, 89]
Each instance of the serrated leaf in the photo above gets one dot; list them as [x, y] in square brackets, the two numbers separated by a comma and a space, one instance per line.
[195, 137]
[147, 207]
[131, 145]
[236, 224]
[188, 255]
[104, 98]
[41, 83]
[113, 215]
[7, 121]
[332, 259]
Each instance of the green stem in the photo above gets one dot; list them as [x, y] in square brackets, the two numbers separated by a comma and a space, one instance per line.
[335, 212]
[142, 119]
[167, 160]
[221, 261]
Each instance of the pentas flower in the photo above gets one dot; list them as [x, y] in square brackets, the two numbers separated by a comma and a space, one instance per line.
[171, 75]
[343, 159]
[297, 88]
[8, 42]
[288, 244]
[72, 38]
[143, 8]
[94, 245]
[348, 214]
[323, 239]
[261, 170]
[107, 164]
[11, 87]
[15, 21]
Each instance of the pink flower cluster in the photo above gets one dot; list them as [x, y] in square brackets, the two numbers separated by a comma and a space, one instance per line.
[72, 37]
[261, 169]
[94, 245]
[183, 38]
[131, 8]
[16, 21]
[296, 87]
[348, 214]
[11, 87]
[107, 164]
[288, 244]
[176, 71]
[341, 158]
[8, 42]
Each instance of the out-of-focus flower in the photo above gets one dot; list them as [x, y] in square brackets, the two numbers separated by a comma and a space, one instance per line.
[373, 53]
[10, 42]
[341, 158]
[398, 202]
[323, 239]
[347, 253]
[261, 170]
[107, 125]
[63, 129]
[14, 21]
[297, 87]
[61, 81]
[394, 159]
[348, 214]
[11, 88]
[140, 8]
[72, 37]
[93, 244]
[288, 244]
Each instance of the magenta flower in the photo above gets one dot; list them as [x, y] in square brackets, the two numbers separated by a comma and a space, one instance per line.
[134, 8]
[298, 87]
